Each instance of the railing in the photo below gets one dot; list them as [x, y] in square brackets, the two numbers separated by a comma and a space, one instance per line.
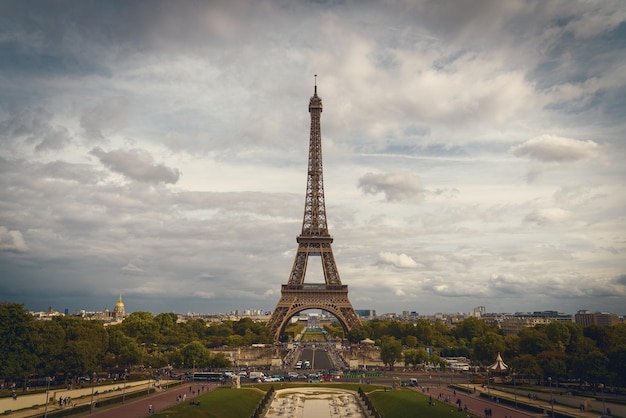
[260, 408]
[315, 286]
[368, 403]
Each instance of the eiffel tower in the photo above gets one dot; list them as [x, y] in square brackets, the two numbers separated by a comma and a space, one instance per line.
[297, 296]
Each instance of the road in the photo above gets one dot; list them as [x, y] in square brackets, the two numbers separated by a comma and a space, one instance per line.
[318, 357]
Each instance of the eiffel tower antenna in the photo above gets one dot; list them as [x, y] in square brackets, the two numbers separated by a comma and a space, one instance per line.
[314, 240]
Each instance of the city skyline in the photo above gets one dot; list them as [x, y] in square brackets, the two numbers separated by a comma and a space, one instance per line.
[473, 153]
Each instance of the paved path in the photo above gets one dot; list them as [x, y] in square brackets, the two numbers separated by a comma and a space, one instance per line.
[477, 404]
[159, 401]
[33, 405]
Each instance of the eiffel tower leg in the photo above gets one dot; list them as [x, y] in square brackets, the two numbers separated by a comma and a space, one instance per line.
[297, 298]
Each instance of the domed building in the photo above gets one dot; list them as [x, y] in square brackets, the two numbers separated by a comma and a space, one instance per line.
[118, 311]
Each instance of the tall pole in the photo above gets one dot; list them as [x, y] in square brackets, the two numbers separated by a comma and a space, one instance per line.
[551, 400]
[603, 405]
[514, 390]
[45, 414]
[93, 377]
[124, 392]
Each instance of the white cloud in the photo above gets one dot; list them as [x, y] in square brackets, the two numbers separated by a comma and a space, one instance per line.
[555, 148]
[396, 260]
[106, 117]
[132, 269]
[548, 216]
[11, 240]
[99, 122]
[396, 186]
[137, 164]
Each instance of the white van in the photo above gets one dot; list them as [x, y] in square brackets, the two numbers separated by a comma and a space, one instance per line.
[256, 375]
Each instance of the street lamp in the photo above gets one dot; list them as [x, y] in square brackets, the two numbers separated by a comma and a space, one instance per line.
[603, 405]
[93, 377]
[514, 390]
[124, 391]
[551, 400]
[45, 414]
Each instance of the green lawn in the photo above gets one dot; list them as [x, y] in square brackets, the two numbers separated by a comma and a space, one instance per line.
[220, 403]
[240, 403]
[407, 403]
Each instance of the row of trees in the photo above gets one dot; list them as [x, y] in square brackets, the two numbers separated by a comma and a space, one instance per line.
[74, 346]
[561, 350]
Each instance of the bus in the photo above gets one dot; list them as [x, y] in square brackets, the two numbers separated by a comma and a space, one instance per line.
[208, 376]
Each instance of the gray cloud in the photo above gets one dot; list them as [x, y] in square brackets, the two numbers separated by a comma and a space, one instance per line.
[555, 148]
[415, 93]
[109, 115]
[12, 240]
[137, 164]
[36, 127]
[548, 216]
[396, 186]
[397, 260]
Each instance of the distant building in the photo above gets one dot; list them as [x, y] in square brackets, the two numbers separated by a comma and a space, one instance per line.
[479, 311]
[366, 313]
[513, 324]
[584, 318]
[118, 311]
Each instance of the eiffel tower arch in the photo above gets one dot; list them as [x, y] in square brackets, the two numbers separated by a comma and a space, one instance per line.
[315, 240]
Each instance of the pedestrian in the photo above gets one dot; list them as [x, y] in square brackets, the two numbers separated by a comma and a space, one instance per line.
[150, 409]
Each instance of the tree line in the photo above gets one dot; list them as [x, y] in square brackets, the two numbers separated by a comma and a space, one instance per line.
[559, 350]
[68, 346]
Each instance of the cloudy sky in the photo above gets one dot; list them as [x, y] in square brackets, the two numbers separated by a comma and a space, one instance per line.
[473, 152]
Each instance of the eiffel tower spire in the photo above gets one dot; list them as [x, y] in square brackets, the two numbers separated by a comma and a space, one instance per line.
[314, 240]
[314, 223]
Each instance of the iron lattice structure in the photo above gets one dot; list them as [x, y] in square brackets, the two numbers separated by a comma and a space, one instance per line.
[297, 296]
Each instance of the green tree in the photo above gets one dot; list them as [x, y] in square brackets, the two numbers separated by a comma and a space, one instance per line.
[86, 343]
[526, 366]
[142, 327]
[487, 347]
[379, 328]
[52, 342]
[424, 331]
[390, 352]
[553, 363]
[195, 354]
[415, 357]
[411, 341]
[558, 334]
[470, 328]
[219, 361]
[19, 346]
[600, 335]
[617, 360]
[169, 330]
[358, 334]
[592, 367]
[533, 341]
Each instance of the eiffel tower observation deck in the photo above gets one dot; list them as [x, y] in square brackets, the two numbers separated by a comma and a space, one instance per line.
[314, 240]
